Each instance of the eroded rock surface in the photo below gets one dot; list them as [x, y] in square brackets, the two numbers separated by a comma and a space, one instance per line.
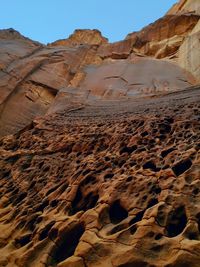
[115, 183]
[99, 148]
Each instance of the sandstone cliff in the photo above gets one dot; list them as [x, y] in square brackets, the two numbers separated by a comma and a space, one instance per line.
[33, 74]
[99, 148]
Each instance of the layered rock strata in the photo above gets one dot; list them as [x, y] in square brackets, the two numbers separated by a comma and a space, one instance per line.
[33, 74]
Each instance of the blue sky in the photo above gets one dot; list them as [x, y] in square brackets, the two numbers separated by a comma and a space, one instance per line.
[50, 20]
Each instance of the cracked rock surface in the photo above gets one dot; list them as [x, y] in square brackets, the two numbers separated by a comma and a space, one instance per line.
[100, 147]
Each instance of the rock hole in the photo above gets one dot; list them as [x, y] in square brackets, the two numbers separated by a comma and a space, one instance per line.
[143, 134]
[176, 222]
[193, 236]
[52, 190]
[152, 203]
[137, 218]
[144, 198]
[165, 128]
[32, 184]
[88, 180]
[39, 219]
[20, 198]
[132, 163]
[129, 179]
[195, 191]
[53, 233]
[32, 222]
[188, 179]
[91, 200]
[12, 159]
[164, 153]
[81, 203]
[44, 233]
[162, 137]
[150, 165]
[108, 176]
[23, 240]
[155, 189]
[140, 123]
[63, 188]
[6, 174]
[26, 164]
[117, 213]
[158, 236]
[117, 228]
[67, 244]
[54, 203]
[169, 120]
[46, 168]
[40, 164]
[86, 172]
[182, 167]
[133, 229]
[121, 162]
[128, 149]
[42, 206]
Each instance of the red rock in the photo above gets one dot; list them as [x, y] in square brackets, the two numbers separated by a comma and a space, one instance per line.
[118, 50]
[185, 6]
[146, 77]
[164, 37]
[80, 37]
[77, 185]
[99, 159]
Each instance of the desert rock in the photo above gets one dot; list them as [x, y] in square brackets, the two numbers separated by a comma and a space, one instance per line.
[99, 148]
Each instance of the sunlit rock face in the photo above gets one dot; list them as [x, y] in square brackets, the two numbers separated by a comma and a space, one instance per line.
[185, 6]
[163, 38]
[188, 55]
[143, 77]
[33, 74]
[189, 52]
[80, 37]
[99, 148]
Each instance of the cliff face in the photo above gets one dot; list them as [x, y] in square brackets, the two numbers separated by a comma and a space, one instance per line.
[33, 74]
[185, 6]
[99, 154]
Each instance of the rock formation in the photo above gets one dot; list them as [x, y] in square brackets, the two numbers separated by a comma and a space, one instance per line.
[99, 148]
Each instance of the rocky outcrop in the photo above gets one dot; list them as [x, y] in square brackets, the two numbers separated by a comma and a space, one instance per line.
[80, 37]
[185, 6]
[33, 74]
[188, 55]
[14, 46]
[99, 148]
[189, 52]
[34, 80]
[163, 38]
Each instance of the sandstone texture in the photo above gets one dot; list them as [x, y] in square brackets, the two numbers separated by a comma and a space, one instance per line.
[185, 6]
[100, 147]
[80, 37]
